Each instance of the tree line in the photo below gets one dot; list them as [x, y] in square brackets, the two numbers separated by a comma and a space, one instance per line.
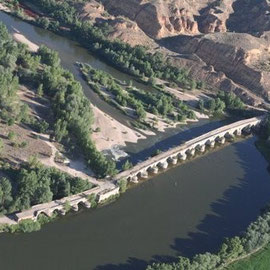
[223, 101]
[156, 101]
[72, 110]
[34, 184]
[256, 237]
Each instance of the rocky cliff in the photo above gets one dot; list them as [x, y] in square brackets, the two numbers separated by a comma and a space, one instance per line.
[250, 16]
[225, 43]
[235, 56]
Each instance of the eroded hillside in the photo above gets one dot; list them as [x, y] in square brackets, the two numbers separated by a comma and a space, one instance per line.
[224, 43]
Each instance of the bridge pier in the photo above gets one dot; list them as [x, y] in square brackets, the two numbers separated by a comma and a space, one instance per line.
[201, 148]
[87, 204]
[247, 130]
[183, 156]
[191, 151]
[229, 136]
[163, 165]
[62, 212]
[75, 207]
[221, 140]
[154, 170]
[134, 179]
[173, 160]
[144, 174]
[211, 144]
[238, 132]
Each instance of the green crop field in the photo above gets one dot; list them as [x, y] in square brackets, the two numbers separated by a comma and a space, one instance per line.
[258, 261]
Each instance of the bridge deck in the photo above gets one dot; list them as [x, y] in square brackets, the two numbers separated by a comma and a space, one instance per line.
[188, 144]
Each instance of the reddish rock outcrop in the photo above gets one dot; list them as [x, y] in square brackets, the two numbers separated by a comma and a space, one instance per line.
[128, 31]
[197, 30]
[158, 19]
[214, 17]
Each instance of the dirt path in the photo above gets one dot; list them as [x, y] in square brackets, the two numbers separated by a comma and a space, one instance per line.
[76, 168]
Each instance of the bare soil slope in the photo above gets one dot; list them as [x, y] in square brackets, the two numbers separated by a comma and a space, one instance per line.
[224, 43]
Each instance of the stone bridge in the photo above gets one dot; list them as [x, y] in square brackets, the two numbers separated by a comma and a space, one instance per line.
[160, 162]
[105, 189]
[74, 201]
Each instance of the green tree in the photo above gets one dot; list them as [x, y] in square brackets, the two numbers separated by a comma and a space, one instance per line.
[127, 165]
[193, 84]
[33, 162]
[48, 56]
[201, 105]
[152, 81]
[123, 185]
[231, 249]
[67, 206]
[12, 135]
[141, 113]
[60, 130]
[40, 90]
[44, 22]
[5, 194]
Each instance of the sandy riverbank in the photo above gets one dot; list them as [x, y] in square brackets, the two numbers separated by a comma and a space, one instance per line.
[112, 133]
[18, 36]
[4, 8]
[21, 38]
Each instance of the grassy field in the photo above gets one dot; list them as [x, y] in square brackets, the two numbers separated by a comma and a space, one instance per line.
[258, 261]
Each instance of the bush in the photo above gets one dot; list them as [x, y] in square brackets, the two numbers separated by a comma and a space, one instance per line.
[127, 165]
[123, 185]
[25, 226]
[12, 135]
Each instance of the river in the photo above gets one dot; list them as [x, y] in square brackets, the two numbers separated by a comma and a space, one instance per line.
[188, 209]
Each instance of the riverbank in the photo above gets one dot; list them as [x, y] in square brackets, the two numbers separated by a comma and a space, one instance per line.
[21, 38]
[264, 147]
[108, 139]
[233, 251]
[4, 8]
[109, 134]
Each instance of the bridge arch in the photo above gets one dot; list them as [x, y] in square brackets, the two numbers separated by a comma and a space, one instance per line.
[80, 204]
[40, 213]
[56, 211]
